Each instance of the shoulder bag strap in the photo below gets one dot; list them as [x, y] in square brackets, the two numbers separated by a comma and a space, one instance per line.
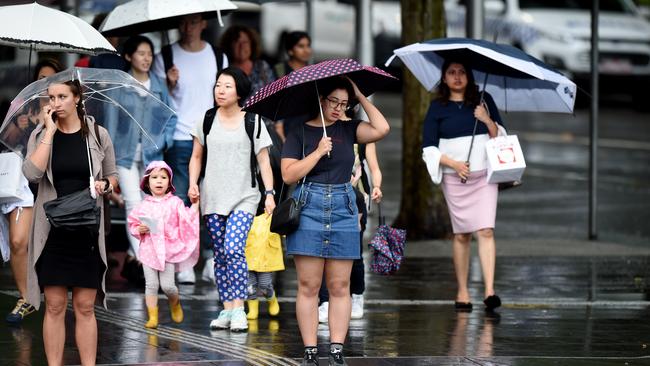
[305, 177]
[93, 194]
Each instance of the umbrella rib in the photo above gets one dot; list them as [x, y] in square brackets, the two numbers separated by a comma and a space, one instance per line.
[134, 120]
[119, 86]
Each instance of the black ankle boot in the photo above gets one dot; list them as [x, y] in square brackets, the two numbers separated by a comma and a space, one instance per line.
[310, 357]
[336, 355]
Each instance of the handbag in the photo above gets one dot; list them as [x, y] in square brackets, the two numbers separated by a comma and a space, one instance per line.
[286, 216]
[76, 210]
[506, 163]
[12, 177]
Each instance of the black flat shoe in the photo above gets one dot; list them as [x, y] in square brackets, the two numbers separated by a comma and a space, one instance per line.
[492, 302]
[463, 306]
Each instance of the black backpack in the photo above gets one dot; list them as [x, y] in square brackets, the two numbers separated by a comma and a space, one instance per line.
[249, 124]
[274, 152]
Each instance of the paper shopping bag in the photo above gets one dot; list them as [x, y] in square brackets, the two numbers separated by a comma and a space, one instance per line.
[505, 159]
[11, 174]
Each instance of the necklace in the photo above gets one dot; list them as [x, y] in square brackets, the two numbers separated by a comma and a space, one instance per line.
[459, 104]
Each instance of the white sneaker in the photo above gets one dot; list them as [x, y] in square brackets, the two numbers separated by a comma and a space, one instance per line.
[323, 312]
[238, 321]
[357, 307]
[187, 277]
[222, 321]
[208, 271]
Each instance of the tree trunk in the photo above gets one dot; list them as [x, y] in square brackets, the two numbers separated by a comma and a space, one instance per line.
[423, 211]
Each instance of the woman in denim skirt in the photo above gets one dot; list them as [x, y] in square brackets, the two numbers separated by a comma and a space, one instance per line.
[327, 240]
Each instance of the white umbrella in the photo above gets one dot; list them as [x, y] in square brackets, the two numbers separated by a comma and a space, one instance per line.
[39, 28]
[142, 16]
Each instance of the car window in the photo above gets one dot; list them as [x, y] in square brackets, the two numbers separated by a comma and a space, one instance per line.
[616, 6]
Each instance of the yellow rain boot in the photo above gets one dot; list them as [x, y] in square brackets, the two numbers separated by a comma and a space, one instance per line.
[177, 311]
[253, 309]
[253, 326]
[152, 323]
[274, 306]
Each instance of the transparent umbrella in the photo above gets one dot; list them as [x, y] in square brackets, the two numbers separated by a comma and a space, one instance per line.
[116, 100]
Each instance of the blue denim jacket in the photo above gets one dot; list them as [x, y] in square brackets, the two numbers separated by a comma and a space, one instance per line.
[126, 134]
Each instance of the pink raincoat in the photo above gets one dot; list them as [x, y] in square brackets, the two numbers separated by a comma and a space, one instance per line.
[175, 238]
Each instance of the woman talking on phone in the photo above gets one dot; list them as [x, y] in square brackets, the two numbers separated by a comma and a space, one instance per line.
[60, 153]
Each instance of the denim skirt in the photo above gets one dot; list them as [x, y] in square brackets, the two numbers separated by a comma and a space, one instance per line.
[329, 222]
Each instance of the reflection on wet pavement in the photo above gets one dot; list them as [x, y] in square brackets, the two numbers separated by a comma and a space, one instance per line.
[557, 310]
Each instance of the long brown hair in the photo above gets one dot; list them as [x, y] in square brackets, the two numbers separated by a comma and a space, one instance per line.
[471, 97]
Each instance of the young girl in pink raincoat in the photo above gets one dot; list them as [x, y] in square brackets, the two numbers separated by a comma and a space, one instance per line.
[169, 238]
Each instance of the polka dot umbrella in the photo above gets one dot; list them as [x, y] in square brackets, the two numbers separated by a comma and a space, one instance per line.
[296, 93]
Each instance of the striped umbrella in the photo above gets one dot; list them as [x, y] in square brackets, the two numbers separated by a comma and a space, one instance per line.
[296, 93]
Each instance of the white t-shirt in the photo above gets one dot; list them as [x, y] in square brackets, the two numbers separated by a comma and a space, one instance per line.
[147, 84]
[193, 94]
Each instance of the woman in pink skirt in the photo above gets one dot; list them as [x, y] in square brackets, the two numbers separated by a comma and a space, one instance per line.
[448, 128]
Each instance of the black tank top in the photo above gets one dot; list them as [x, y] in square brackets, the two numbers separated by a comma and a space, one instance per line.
[70, 169]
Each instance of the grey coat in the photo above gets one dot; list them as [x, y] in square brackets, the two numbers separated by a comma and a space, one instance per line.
[103, 162]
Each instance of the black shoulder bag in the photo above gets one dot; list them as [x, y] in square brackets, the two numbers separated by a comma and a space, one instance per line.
[286, 216]
[76, 210]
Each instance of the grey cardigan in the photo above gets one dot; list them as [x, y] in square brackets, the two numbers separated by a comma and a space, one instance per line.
[103, 162]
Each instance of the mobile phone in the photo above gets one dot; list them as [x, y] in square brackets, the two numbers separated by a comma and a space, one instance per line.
[54, 116]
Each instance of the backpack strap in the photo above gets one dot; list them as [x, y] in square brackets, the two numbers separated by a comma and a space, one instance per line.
[167, 56]
[207, 125]
[218, 55]
[249, 123]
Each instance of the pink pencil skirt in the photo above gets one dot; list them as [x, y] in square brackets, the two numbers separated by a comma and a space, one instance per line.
[473, 205]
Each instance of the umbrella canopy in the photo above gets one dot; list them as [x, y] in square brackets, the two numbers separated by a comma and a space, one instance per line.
[40, 28]
[295, 93]
[388, 248]
[516, 80]
[142, 16]
[114, 98]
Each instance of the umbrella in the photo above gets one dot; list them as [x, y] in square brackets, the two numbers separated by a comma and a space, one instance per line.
[39, 28]
[142, 16]
[516, 80]
[388, 247]
[111, 96]
[295, 93]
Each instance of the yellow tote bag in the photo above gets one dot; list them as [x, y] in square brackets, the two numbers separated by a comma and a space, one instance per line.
[263, 248]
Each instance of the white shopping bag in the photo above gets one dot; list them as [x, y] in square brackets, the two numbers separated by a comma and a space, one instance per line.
[11, 175]
[505, 159]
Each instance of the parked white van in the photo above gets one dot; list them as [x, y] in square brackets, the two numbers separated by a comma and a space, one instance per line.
[558, 32]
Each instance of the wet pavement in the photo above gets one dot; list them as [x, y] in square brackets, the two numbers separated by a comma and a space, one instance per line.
[567, 301]
[558, 310]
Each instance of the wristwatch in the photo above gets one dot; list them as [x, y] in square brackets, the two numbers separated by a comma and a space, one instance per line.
[269, 191]
[108, 188]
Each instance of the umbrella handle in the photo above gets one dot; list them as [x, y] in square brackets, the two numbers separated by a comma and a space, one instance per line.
[381, 219]
[322, 118]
